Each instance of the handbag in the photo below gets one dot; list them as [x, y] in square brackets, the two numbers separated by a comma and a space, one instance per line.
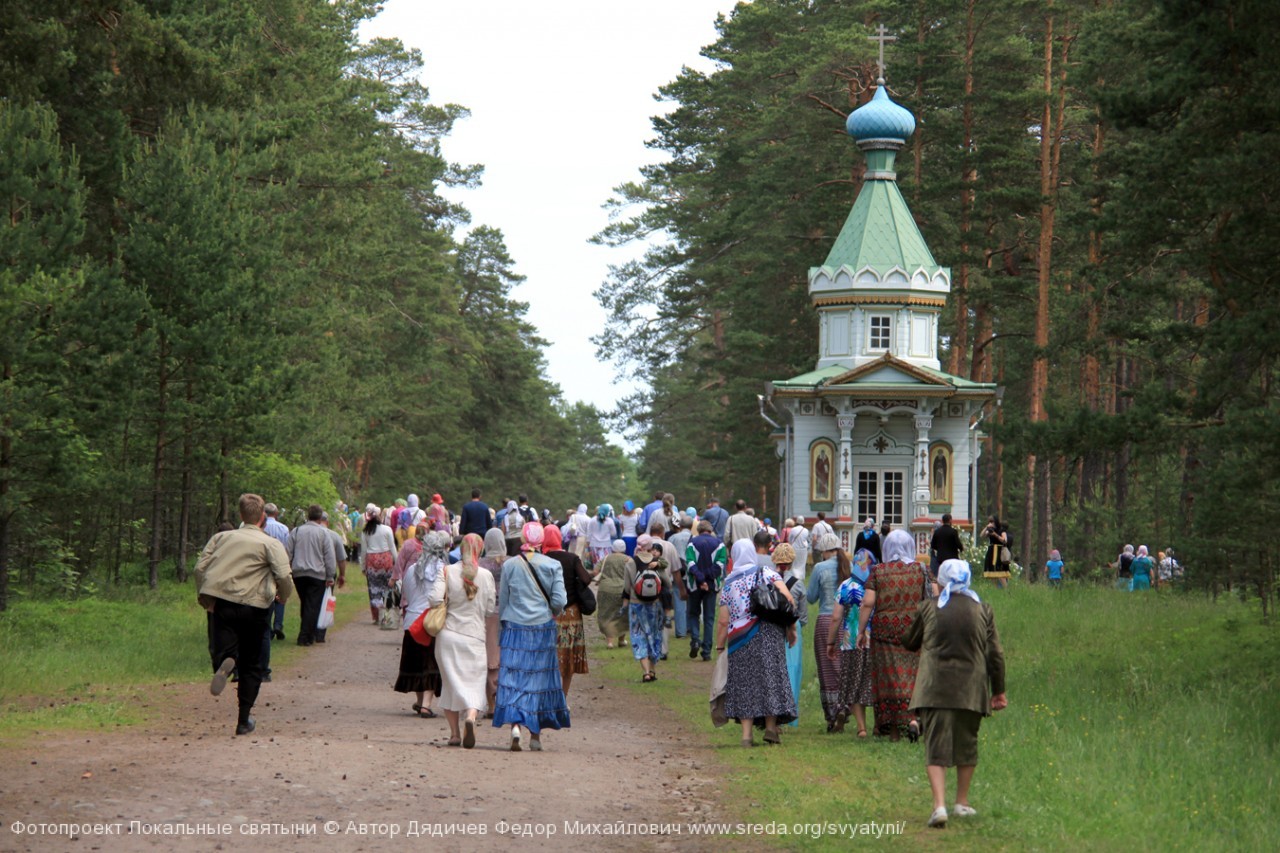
[433, 621]
[389, 618]
[770, 605]
[418, 631]
[328, 605]
[586, 599]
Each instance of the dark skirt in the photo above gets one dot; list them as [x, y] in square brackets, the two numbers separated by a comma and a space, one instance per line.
[529, 689]
[418, 670]
[758, 685]
[855, 679]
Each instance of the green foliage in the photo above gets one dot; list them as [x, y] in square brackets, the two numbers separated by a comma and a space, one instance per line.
[232, 269]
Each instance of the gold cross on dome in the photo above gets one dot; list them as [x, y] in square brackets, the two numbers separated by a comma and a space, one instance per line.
[882, 36]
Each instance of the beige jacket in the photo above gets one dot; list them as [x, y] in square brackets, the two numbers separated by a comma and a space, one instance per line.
[244, 566]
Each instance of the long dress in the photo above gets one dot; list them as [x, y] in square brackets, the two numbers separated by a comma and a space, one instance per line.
[419, 671]
[611, 613]
[758, 685]
[899, 588]
[991, 565]
[460, 647]
[795, 651]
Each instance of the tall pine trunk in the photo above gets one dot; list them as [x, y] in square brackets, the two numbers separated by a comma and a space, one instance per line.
[158, 467]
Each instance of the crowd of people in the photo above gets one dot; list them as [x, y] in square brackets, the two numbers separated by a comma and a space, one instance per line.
[491, 603]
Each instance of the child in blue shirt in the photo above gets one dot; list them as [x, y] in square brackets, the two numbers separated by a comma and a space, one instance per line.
[1054, 566]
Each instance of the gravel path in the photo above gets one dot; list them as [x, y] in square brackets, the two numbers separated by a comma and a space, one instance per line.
[339, 763]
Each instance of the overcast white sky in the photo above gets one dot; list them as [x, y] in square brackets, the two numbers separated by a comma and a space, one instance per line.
[561, 95]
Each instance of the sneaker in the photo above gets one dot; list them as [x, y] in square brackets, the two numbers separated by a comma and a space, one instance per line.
[219, 681]
[535, 744]
[964, 811]
[938, 819]
[247, 727]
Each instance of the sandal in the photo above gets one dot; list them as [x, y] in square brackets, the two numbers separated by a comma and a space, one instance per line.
[649, 676]
[771, 736]
[841, 719]
[455, 741]
[425, 713]
[862, 733]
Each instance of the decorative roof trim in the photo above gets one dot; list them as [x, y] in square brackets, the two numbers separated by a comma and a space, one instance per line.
[886, 360]
[880, 299]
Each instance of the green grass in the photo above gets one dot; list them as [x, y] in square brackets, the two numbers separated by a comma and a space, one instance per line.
[1147, 720]
[77, 664]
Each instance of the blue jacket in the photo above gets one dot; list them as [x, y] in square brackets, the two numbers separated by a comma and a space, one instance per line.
[519, 598]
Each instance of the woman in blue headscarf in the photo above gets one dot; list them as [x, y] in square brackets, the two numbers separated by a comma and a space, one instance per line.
[629, 526]
[856, 688]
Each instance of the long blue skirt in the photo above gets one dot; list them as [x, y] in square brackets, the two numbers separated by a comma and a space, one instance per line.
[795, 671]
[529, 689]
[646, 623]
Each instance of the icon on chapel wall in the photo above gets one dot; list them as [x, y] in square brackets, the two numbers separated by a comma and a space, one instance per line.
[940, 474]
[822, 471]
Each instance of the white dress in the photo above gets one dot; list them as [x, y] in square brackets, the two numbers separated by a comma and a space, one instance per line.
[460, 647]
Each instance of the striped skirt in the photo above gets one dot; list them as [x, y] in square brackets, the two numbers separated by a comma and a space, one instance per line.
[828, 670]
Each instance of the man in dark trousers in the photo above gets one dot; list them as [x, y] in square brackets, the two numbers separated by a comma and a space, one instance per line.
[474, 517]
[314, 570]
[238, 576]
[944, 545]
[960, 681]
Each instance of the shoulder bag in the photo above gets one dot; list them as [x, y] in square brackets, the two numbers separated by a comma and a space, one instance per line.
[770, 605]
[586, 596]
[433, 619]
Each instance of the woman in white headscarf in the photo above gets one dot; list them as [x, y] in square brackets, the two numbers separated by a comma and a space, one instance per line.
[419, 673]
[893, 593]
[377, 558]
[758, 690]
[960, 681]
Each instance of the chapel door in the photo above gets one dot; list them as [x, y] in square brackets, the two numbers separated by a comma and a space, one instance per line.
[882, 494]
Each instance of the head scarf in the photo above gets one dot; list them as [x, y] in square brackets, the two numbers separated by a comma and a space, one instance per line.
[869, 524]
[860, 566]
[552, 540]
[899, 547]
[603, 511]
[413, 501]
[582, 509]
[645, 542]
[744, 558]
[1128, 549]
[619, 546]
[435, 550]
[1054, 555]
[1142, 550]
[399, 502]
[691, 512]
[828, 542]
[628, 505]
[511, 506]
[471, 547]
[372, 510]
[494, 543]
[784, 555]
[531, 536]
[953, 577]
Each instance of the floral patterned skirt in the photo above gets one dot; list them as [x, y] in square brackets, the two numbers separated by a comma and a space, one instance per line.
[571, 641]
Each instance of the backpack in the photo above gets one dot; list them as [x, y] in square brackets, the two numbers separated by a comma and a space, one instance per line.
[648, 585]
[512, 523]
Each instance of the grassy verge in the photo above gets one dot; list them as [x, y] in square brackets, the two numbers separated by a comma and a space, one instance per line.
[80, 664]
[1147, 719]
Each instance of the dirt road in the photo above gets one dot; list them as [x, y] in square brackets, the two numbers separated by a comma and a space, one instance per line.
[339, 763]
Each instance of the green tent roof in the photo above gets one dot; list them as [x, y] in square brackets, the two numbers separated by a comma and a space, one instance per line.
[880, 233]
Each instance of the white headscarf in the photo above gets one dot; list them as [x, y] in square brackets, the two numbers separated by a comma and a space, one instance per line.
[899, 547]
[435, 550]
[954, 576]
[744, 558]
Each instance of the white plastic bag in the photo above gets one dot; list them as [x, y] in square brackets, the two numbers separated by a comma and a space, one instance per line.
[327, 607]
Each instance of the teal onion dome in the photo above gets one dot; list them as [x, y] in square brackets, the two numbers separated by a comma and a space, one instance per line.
[881, 118]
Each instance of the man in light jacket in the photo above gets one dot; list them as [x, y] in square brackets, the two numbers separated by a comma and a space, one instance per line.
[239, 575]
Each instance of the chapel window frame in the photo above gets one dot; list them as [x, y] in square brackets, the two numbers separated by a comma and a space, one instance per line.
[879, 332]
